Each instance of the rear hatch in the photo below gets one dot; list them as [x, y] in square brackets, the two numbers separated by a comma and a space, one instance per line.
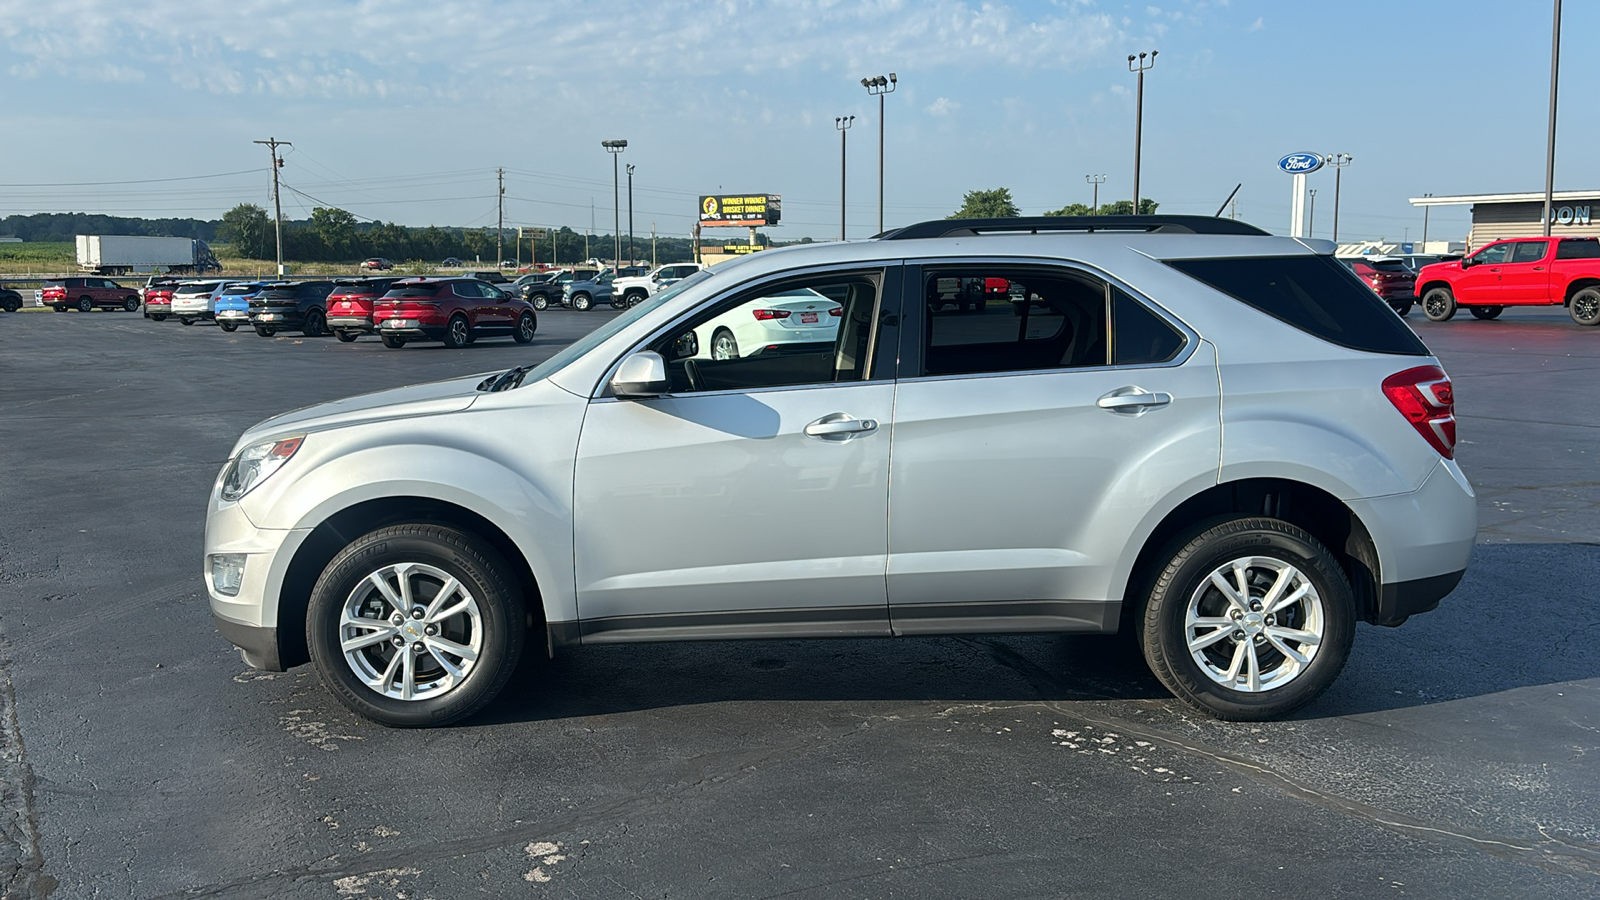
[276, 301]
[237, 297]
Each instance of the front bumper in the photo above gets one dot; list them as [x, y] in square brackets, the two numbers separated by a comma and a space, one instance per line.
[249, 619]
[1424, 540]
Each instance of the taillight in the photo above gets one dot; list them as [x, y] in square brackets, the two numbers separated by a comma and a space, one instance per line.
[836, 311]
[1424, 397]
[764, 314]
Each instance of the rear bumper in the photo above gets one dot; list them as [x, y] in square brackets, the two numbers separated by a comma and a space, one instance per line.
[277, 319]
[233, 315]
[1424, 539]
[1401, 600]
[362, 324]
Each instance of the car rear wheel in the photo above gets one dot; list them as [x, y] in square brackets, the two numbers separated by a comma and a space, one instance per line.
[723, 345]
[1402, 307]
[393, 341]
[85, 304]
[1486, 312]
[526, 326]
[458, 333]
[1439, 305]
[581, 302]
[229, 327]
[266, 332]
[187, 320]
[131, 304]
[1249, 619]
[315, 324]
[345, 337]
[158, 317]
[1585, 307]
[416, 625]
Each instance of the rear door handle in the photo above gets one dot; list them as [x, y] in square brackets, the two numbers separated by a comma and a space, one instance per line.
[840, 427]
[1132, 400]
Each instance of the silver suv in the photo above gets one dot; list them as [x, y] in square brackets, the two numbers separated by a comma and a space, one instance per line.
[1213, 439]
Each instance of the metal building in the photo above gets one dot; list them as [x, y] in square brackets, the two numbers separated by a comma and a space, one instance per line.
[1497, 216]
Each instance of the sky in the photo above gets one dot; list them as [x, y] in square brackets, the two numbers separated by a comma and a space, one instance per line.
[402, 110]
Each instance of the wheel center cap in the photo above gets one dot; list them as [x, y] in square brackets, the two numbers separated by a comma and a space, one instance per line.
[412, 630]
[1252, 623]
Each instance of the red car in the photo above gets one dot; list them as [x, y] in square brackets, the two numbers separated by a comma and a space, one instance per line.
[456, 311]
[1519, 272]
[158, 300]
[376, 264]
[1389, 279]
[350, 305]
[84, 294]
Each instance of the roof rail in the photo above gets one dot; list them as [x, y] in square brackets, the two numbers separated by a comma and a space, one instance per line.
[1070, 224]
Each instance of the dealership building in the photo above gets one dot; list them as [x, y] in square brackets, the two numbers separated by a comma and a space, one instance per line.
[1499, 216]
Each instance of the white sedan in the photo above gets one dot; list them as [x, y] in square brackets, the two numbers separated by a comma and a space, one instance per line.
[772, 322]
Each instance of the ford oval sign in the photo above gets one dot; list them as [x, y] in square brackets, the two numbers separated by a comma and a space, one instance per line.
[1300, 163]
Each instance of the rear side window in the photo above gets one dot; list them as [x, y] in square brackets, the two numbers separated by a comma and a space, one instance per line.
[1581, 249]
[1139, 336]
[1004, 319]
[1312, 293]
[1528, 252]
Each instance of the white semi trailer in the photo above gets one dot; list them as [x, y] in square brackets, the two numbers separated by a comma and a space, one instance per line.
[126, 254]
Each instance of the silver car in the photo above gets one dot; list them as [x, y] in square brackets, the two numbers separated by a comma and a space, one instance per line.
[1214, 439]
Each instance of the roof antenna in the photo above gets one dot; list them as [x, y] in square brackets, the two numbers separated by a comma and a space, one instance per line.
[1227, 201]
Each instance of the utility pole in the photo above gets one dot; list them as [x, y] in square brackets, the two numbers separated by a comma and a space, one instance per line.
[878, 86]
[1429, 208]
[1338, 161]
[586, 256]
[652, 245]
[842, 123]
[1096, 180]
[277, 206]
[630, 214]
[500, 222]
[1139, 64]
[1550, 142]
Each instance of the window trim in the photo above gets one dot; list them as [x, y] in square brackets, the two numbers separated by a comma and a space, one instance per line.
[911, 334]
[885, 271]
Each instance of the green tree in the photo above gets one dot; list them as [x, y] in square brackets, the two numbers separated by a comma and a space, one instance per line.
[1147, 207]
[337, 229]
[248, 229]
[995, 204]
[1072, 209]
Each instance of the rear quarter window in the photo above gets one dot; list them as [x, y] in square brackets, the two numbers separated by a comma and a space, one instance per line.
[1583, 248]
[1312, 293]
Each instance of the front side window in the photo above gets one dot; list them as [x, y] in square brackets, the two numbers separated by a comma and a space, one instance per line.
[1527, 251]
[1011, 319]
[806, 331]
[1492, 255]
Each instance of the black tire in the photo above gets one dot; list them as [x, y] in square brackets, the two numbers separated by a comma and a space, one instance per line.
[345, 337]
[315, 325]
[619, 302]
[187, 320]
[729, 347]
[1584, 308]
[85, 304]
[266, 332]
[393, 341]
[541, 302]
[1439, 305]
[11, 305]
[499, 630]
[1184, 580]
[458, 333]
[130, 303]
[158, 317]
[633, 298]
[229, 327]
[1486, 312]
[1401, 307]
[582, 302]
[527, 324]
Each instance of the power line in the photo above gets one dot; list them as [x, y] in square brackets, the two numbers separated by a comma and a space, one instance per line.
[140, 181]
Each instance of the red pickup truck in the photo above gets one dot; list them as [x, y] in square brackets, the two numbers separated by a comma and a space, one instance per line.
[1519, 272]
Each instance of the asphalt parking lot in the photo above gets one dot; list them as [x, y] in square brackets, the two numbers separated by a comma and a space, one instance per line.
[140, 758]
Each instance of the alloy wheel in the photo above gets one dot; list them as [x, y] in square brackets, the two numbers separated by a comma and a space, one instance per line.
[410, 631]
[1254, 624]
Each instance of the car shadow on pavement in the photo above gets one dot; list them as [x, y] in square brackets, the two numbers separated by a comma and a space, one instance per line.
[1525, 615]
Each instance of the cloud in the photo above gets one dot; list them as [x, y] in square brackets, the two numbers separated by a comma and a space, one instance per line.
[943, 106]
[1258, 24]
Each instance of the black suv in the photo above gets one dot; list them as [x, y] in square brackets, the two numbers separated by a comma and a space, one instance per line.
[289, 306]
[491, 277]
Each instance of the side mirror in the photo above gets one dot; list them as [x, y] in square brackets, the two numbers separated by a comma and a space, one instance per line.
[1467, 263]
[642, 375]
[685, 346]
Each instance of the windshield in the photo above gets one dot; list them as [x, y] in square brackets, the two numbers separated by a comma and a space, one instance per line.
[241, 289]
[600, 335]
[203, 288]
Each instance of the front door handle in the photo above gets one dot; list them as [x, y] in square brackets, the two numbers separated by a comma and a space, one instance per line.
[840, 427]
[1132, 400]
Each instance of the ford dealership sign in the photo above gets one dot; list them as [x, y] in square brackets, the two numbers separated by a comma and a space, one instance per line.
[1300, 163]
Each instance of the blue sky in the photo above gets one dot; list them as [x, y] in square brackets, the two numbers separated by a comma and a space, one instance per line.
[401, 110]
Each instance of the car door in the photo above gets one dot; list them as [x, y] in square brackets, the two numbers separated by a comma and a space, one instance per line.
[1525, 276]
[1480, 282]
[1032, 436]
[750, 498]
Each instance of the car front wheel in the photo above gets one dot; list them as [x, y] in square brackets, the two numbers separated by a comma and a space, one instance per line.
[1249, 619]
[541, 301]
[416, 625]
[1439, 305]
[526, 326]
[131, 304]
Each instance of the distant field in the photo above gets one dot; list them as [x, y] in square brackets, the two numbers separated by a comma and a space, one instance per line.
[41, 257]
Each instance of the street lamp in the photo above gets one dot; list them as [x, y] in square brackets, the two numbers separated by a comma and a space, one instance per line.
[630, 214]
[878, 86]
[1311, 230]
[842, 123]
[1096, 180]
[1550, 142]
[1425, 210]
[1338, 161]
[614, 148]
[1141, 65]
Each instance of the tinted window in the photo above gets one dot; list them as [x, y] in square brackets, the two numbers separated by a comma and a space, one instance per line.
[414, 292]
[233, 289]
[1493, 254]
[54, 284]
[1312, 293]
[1139, 336]
[1389, 265]
[1004, 319]
[1528, 251]
[1582, 249]
[204, 287]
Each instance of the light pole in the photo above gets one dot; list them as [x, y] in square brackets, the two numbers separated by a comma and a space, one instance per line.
[614, 148]
[1550, 142]
[1096, 180]
[1311, 230]
[878, 86]
[1139, 64]
[1425, 210]
[842, 123]
[1338, 161]
[630, 214]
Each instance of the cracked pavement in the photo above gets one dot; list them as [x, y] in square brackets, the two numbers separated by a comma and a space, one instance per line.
[139, 757]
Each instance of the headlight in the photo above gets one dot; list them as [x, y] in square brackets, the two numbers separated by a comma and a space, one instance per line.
[255, 464]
